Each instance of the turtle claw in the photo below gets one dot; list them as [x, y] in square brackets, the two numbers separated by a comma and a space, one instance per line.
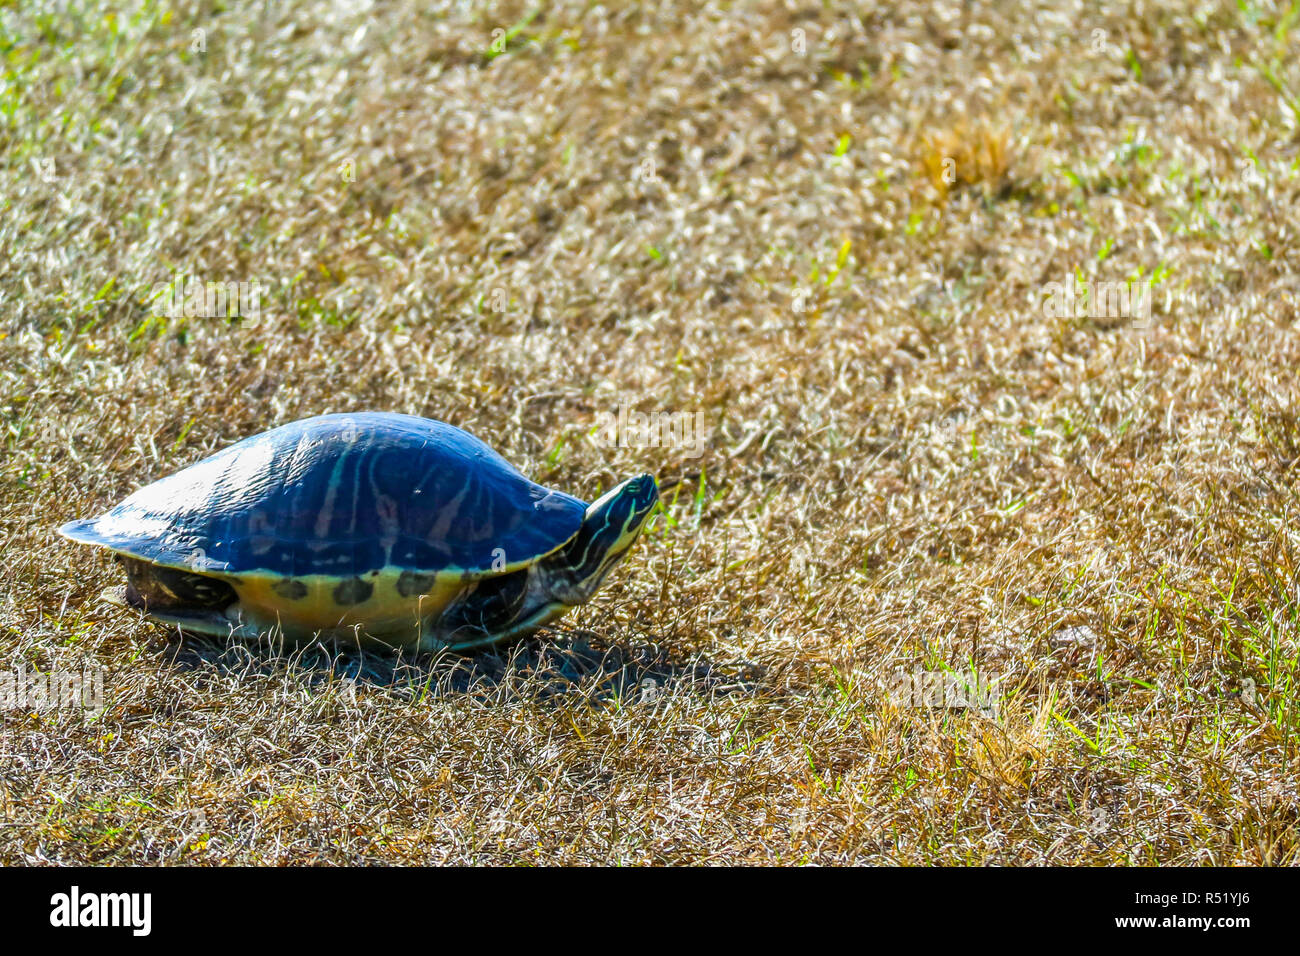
[115, 595]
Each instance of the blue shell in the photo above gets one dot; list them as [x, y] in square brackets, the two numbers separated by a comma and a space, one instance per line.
[342, 495]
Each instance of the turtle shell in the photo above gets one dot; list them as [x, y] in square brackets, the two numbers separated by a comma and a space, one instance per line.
[340, 497]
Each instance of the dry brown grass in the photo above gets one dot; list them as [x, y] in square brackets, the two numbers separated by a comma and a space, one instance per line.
[909, 464]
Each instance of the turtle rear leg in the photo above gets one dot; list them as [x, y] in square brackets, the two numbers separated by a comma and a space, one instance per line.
[152, 587]
[194, 602]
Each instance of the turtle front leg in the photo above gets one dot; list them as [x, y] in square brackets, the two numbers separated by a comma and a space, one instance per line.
[485, 612]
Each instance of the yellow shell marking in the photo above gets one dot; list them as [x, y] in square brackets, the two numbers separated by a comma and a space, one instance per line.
[384, 611]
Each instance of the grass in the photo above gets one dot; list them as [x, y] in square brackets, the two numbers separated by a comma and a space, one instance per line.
[516, 217]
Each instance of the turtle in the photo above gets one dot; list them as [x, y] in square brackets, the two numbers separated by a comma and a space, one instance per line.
[374, 527]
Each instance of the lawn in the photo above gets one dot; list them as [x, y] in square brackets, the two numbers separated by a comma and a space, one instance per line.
[987, 313]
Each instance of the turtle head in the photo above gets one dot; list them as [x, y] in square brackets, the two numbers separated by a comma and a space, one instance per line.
[611, 525]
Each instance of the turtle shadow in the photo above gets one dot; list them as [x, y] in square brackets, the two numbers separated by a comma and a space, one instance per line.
[556, 665]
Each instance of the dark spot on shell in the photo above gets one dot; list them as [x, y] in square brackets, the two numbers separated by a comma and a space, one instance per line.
[353, 591]
[410, 583]
[290, 589]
